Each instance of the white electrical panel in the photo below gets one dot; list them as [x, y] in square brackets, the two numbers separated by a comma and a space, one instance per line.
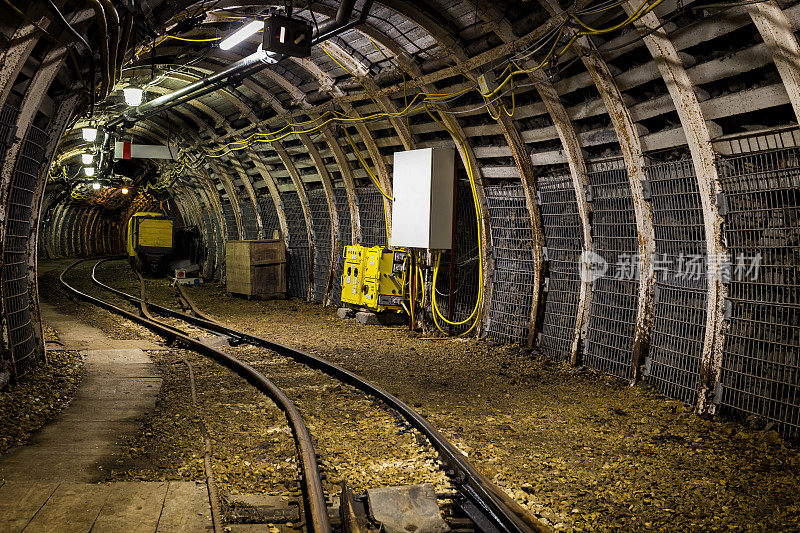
[422, 211]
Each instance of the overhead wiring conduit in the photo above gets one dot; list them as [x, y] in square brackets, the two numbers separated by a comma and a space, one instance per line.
[59, 17]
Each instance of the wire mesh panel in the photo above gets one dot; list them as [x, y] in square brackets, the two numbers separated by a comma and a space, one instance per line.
[563, 234]
[321, 219]
[761, 358]
[465, 288]
[373, 222]
[269, 216]
[680, 290]
[250, 226]
[512, 246]
[612, 317]
[230, 219]
[345, 237]
[8, 120]
[208, 229]
[216, 224]
[21, 340]
[297, 262]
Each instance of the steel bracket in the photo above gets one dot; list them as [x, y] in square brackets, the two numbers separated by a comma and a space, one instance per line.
[647, 367]
[11, 135]
[717, 393]
[589, 193]
[646, 190]
[545, 256]
[722, 204]
[727, 309]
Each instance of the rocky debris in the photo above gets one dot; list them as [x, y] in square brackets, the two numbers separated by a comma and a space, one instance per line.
[345, 312]
[410, 508]
[27, 406]
[368, 319]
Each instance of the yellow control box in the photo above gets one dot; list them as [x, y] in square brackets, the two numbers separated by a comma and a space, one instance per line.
[373, 277]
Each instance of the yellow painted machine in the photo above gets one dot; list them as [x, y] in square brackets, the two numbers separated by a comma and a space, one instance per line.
[149, 241]
[373, 277]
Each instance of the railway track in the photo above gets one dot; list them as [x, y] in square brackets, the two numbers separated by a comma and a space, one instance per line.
[487, 506]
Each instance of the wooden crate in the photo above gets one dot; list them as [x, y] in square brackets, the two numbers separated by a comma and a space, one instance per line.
[256, 268]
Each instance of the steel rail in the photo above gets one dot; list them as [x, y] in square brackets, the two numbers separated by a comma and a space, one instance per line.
[315, 497]
[500, 511]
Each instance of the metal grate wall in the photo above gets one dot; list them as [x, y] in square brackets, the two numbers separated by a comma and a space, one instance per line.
[209, 235]
[21, 340]
[761, 358]
[345, 237]
[563, 234]
[8, 121]
[297, 262]
[370, 209]
[513, 278]
[220, 244]
[250, 226]
[465, 291]
[230, 219]
[321, 220]
[679, 295]
[269, 216]
[612, 316]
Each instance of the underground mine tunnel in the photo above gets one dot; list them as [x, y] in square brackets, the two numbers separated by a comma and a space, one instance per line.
[401, 266]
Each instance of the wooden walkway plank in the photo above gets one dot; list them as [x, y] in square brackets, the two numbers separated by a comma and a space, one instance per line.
[131, 506]
[72, 507]
[20, 501]
[186, 508]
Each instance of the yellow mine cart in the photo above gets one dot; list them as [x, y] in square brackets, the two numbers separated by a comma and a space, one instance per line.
[149, 241]
[373, 277]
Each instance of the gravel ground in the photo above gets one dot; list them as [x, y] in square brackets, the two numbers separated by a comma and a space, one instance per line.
[581, 450]
[27, 406]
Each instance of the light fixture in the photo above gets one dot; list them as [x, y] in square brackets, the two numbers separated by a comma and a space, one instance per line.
[89, 171]
[96, 185]
[89, 134]
[124, 190]
[87, 159]
[133, 95]
[249, 29]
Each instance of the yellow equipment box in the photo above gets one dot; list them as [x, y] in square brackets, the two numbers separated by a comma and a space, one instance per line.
[373, 277]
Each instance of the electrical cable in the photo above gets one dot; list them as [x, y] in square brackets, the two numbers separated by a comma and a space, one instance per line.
[78, 37]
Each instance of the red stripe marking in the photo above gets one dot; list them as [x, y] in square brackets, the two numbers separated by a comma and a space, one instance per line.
[126, 150]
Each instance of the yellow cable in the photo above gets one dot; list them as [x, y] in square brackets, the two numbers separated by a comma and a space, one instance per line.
[476, 311]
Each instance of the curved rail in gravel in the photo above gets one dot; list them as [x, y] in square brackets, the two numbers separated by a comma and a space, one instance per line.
[312, 484]
[493, 509]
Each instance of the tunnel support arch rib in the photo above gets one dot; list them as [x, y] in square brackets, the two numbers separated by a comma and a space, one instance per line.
[698, 137]
[776, 30]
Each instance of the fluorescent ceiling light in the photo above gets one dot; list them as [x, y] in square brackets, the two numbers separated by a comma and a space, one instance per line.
[87, 159]
[133, 95]
[96, 185]
[249, 29]
[89, 171]
[89, 134]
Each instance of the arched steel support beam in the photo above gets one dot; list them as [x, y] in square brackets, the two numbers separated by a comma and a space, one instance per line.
[776, 30]
[698, 137]
[572, 152]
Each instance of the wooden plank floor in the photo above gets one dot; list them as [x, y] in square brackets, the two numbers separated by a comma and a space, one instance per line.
[42, 507]
[50, 484]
